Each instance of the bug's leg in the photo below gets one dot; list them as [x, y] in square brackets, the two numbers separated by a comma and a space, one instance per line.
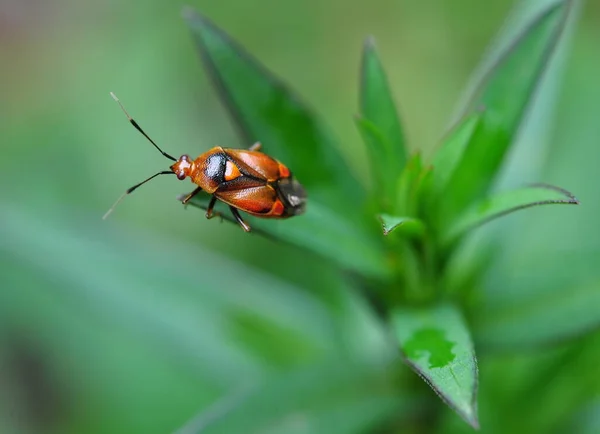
[209, 210]
[245, 226]
[255, 147]
[192, 194]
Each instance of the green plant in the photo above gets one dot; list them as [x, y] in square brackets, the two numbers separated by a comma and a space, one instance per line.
[109, 327]
[426, 209]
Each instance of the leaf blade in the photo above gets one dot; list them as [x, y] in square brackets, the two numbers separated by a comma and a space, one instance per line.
[505, 203]
[319, 231]
[378, 107]
[384, 184]
[449, 154]
[505, 93]
[265, 110]
[540, 319]
[332, 397]
[436, 343]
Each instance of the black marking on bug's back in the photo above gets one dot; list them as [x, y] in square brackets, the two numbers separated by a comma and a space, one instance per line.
[242, 182]
[215, 167]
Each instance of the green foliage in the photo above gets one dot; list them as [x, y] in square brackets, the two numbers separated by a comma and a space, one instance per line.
[437, 344]
[266, 111]
[530, 322]
[504, 94]
[369, 313]
[436, 206]
[505, 203]
[380, 128]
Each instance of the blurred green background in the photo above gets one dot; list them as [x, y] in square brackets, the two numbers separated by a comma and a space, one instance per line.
[118, 326]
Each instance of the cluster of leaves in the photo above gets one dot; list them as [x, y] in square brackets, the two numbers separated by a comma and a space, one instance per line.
[400, 236]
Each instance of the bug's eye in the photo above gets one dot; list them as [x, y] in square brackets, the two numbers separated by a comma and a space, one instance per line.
[181, 176]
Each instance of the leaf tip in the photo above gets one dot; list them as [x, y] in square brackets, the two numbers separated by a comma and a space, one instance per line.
[370, 43]
[384, 226]
[193, 17]
[189, 13]
[470, 415]
[571, 197]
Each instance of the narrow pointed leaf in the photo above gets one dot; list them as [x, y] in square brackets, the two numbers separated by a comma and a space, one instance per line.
[383, 174]
[506, 203]
[378, 107]
[377, 103]
[265, 110]
[452, 149]
[410, 186]
[320, 231]
[505, 94]
[327, 398]
[437, 344]
[541, 319]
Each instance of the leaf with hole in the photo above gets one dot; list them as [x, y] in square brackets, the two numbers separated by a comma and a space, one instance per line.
[437, 344]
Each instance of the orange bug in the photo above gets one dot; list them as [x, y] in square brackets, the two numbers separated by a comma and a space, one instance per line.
[246, 180]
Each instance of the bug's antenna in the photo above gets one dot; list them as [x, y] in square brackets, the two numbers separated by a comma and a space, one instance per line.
[132, 189]
[137, 127]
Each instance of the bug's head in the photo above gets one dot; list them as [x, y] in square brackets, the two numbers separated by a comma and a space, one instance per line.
[293, 195]
[183, 167]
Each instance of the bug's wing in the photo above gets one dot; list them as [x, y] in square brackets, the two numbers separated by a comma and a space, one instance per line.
[260, 201]
[255, 164]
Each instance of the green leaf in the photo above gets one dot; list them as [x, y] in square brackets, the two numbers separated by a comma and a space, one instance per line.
[586, 420]
[451, 151]
[504, 94]
[410, 186]
[540, 319]
[353, 399]
[409, 225]
[506, 203]
[267, 111]
[437, 344]
[158, 318]
[377, 106]
[320, 231]
[384, 177]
